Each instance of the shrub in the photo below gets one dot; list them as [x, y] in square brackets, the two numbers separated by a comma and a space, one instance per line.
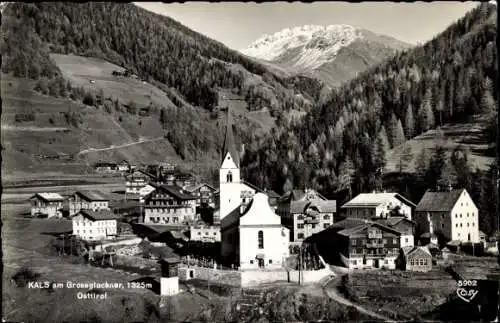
[24, 275]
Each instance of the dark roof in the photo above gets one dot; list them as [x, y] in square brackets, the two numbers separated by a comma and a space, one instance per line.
[177, 192]
[328, 206]
[360, 227]
[105, 164]
[92, 195]
[229, 145]
[272, 194]
[296, 195]
[98, 215]
[438, 201]
[419, 251]
[392, 221]
[192, 188]
[49, 197]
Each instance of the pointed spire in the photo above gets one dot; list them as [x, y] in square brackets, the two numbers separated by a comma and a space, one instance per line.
[229, 146]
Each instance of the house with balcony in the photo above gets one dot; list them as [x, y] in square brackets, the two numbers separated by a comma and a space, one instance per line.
[358, 244]
[378, 205]
[136, 181]
[404, 226]
[47, 205]
[87, 200]
[451, 215]
[169, 204]
[306, 218]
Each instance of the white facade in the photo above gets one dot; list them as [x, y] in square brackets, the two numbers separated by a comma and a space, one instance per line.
[77, 203]
[88, 229]
[145, 191]
[407, 240]
[229, 187]
[205, 233]
[388, 262]
[378, 205]
[263, 240]
[169, 286]
[465, 219]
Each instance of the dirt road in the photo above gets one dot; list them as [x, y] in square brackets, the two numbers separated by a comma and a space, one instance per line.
[331, 291]
[91, 150]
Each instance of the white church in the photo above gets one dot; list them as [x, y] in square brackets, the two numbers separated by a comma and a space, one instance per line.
[252, 236]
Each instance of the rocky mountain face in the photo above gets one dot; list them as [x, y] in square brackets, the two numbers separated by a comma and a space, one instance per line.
[333, 54]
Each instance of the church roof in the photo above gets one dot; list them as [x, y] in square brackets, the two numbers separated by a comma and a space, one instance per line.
[229, 145]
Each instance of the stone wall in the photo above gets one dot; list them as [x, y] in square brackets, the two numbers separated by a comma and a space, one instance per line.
[253, 277]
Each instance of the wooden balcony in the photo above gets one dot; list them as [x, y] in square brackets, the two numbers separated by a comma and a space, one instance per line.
[374, 235]
[375, 245]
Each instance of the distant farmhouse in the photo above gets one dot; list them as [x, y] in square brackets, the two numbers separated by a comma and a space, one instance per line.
[104, 167]
[91, 225]
[450, 214]
[87, 200]
[47, 205]
[169, 204]
[379, 205]
[136, 181]
[417, 259]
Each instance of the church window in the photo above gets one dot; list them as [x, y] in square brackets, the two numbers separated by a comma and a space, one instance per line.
[261, 239]
[229, 177]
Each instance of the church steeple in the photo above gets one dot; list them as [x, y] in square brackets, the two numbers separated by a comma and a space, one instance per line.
[229, 145]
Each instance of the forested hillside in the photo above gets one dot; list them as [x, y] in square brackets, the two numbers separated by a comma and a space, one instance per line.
[339, 148]
[188, 66]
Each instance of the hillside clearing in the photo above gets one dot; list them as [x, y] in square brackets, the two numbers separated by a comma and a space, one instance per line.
[469, 135]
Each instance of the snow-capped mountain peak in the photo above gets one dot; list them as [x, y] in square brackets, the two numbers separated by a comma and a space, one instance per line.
[317, 44]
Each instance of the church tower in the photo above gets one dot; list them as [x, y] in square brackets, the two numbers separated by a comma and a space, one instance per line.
[229, 173]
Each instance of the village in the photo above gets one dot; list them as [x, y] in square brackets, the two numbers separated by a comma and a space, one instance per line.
[246, 236]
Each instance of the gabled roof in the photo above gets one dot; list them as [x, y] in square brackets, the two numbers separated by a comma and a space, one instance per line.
[419, 250]
[296, 195]
[192, 188]
[353, 227]
[177, 192]
[49, 197]
[229, 145]
[375, 199]
[92, 195]
[257, 189]
[272, 194]
[328, 206]
[141, 173]
[98, 215]
[438, 201]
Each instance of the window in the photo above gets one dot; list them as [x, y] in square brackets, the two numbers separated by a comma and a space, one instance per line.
[300, 226]
[386, 261]
[406, 240]
[314, 226]
[467, 214]
[456, 215]
[260, 236]
[326, 217]
[472, 223]
[456, 225]
[460, 214]
[251, 261]
[326, 225]
[394, 241]
[460, 224]
[300, 236]
[229, 177]
[353, 242]
[270, 261]
[354, 262]
[442, 225]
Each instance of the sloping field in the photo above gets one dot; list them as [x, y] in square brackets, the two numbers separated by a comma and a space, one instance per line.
[32, 146]
[81, 71]
[470, 135]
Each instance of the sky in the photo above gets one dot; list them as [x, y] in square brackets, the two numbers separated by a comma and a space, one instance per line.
[237, 25]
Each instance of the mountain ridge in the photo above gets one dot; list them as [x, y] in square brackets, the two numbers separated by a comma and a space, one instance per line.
[325, 52]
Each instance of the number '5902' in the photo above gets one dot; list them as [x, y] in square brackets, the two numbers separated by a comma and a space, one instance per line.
[466, 283]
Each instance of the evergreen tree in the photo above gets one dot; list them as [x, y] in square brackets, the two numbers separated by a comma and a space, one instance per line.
[426, 114]
[288, 186]
[346, 176]
[399, 135]
[436, 166]
[487, 103]
[448, 176]
[422, 165]
[405, 158]
[409, 122]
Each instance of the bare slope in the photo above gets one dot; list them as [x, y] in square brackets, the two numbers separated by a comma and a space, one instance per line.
[470, 135]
